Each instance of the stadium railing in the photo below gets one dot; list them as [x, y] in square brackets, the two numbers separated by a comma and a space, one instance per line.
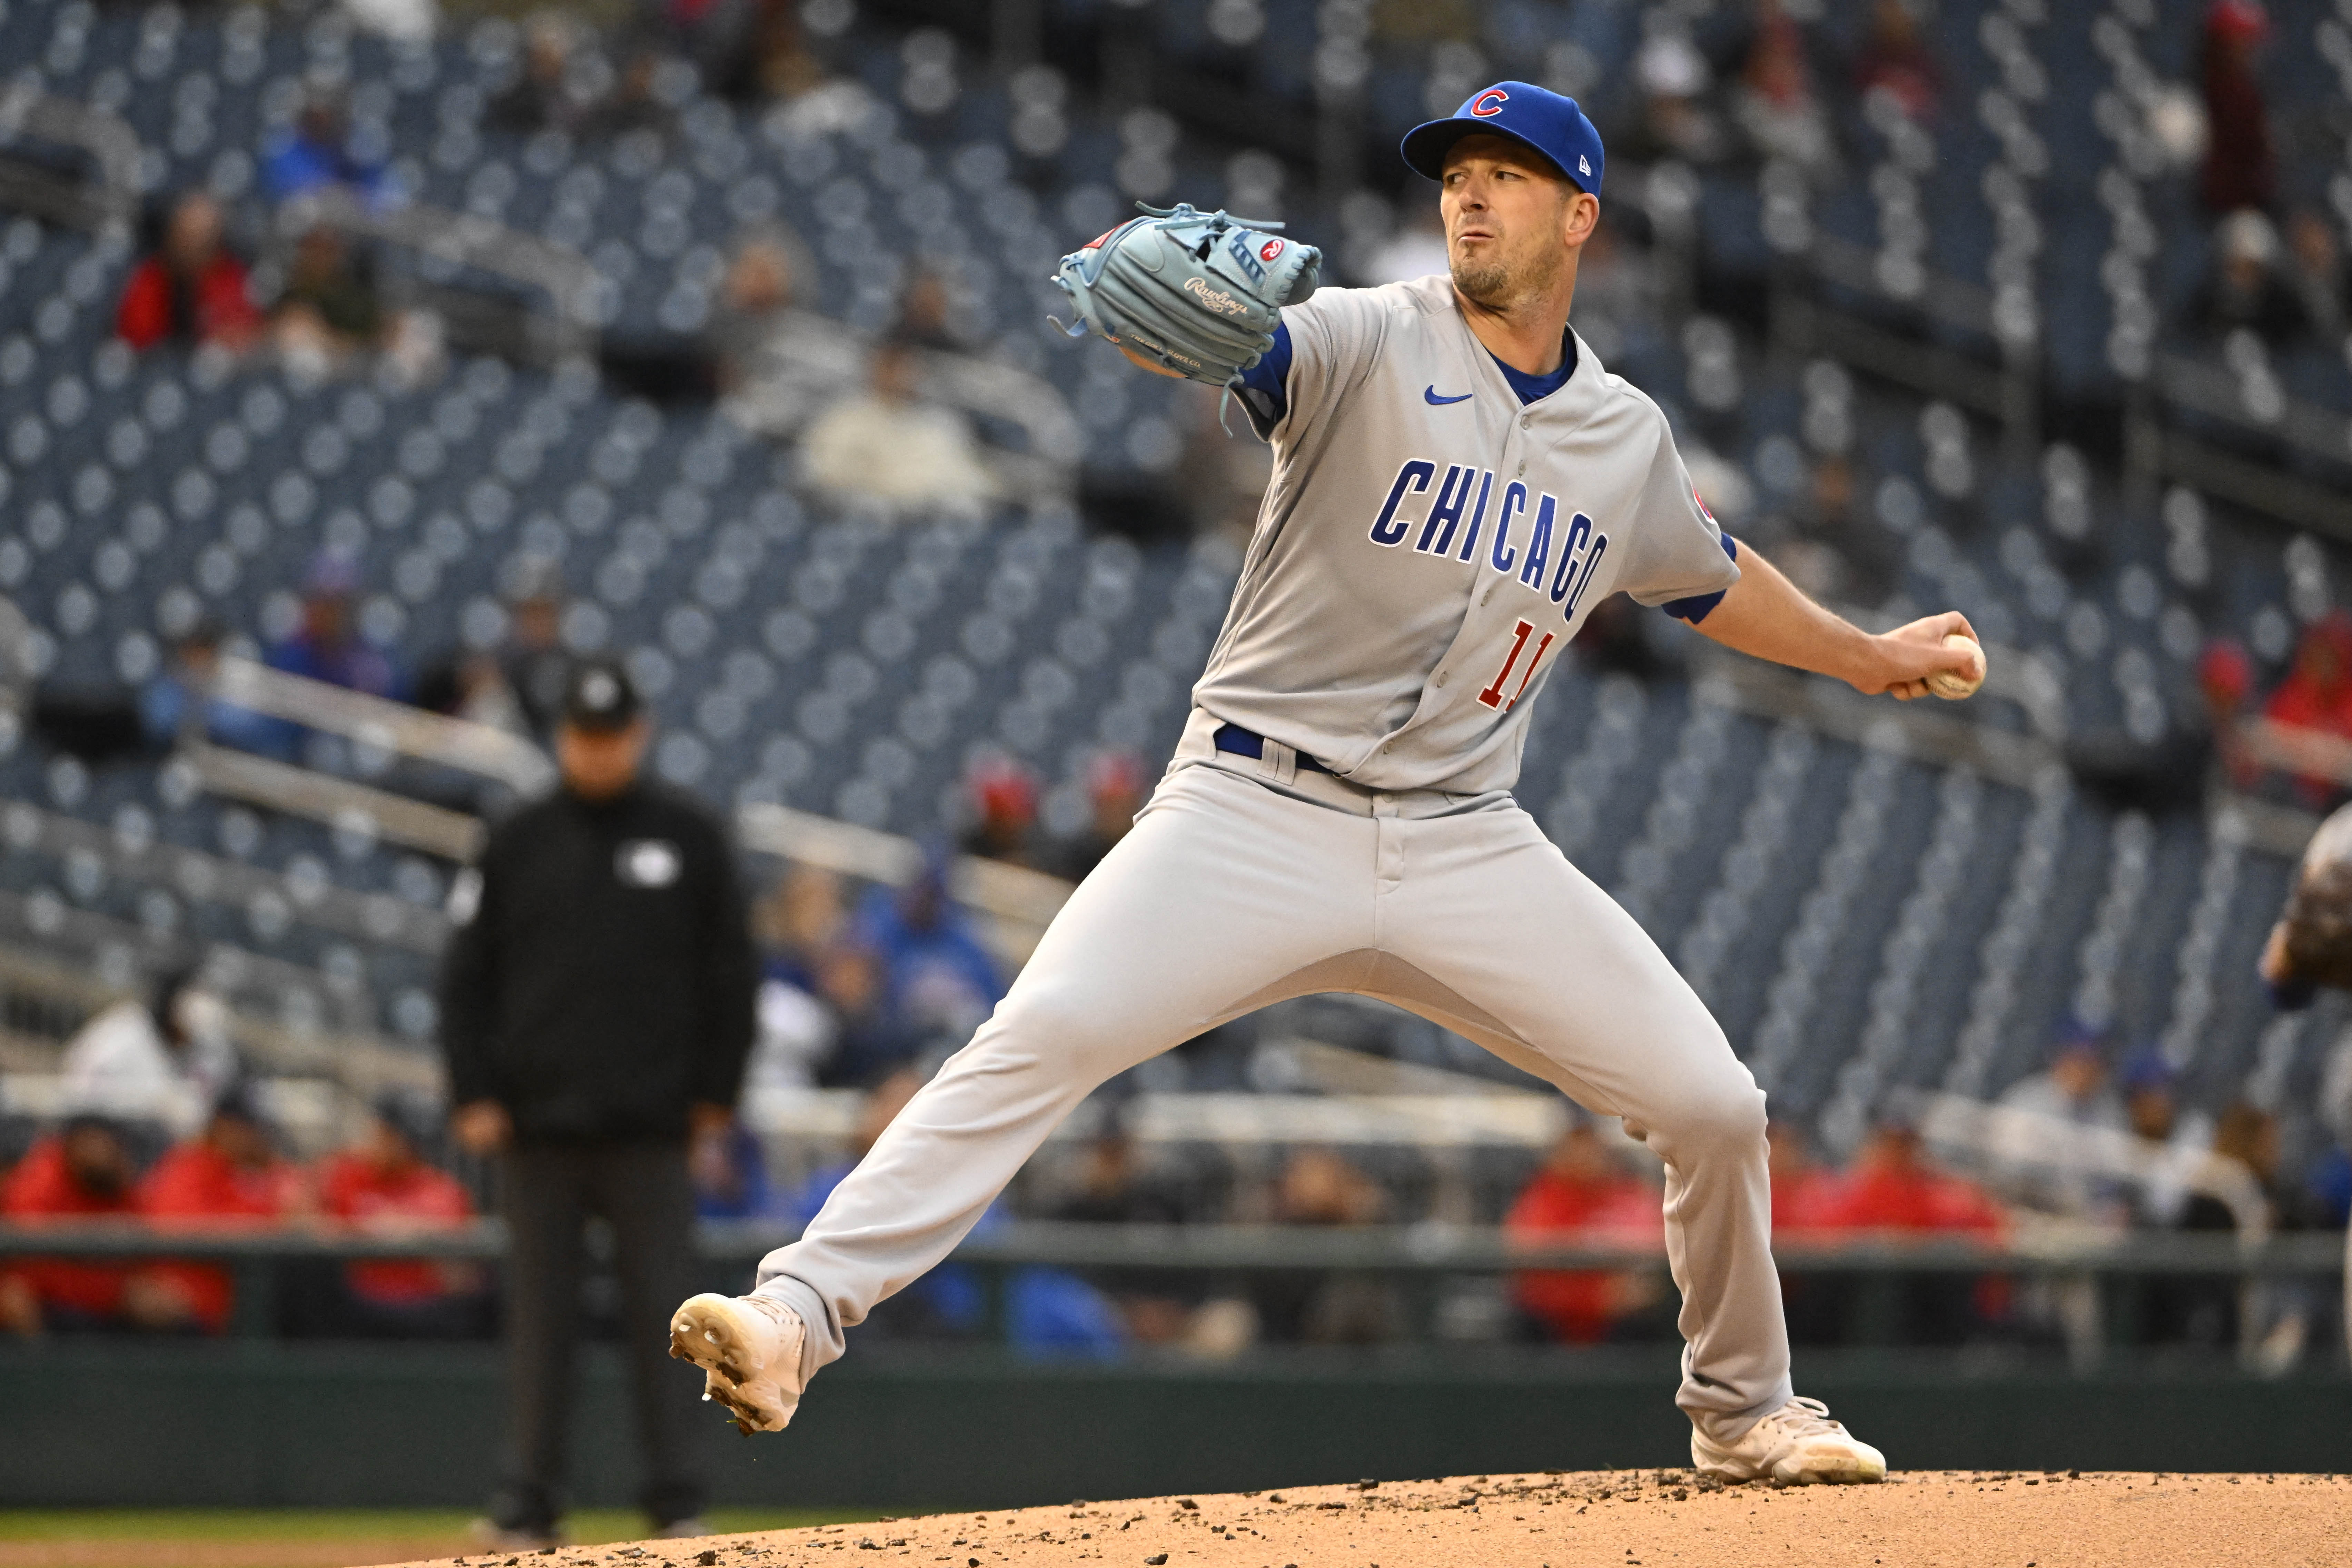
[1416, 1255]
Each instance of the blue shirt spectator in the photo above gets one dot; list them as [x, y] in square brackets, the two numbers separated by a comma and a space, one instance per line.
[315, 155]
[327, 646]
[938, 977]
[165, 702]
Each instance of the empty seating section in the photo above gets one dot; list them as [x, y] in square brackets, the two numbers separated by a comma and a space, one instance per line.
[1862, 919]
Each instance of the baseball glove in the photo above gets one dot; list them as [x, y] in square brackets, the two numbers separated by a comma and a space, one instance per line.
[1199, 293]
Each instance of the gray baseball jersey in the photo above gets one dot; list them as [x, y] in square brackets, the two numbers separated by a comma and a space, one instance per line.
[1429, 546]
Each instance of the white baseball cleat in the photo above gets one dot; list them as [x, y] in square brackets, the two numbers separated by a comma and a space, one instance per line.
[751, 1348]
[1796, 1445]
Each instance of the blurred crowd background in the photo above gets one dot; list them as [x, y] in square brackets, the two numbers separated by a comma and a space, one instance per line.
[364, 365]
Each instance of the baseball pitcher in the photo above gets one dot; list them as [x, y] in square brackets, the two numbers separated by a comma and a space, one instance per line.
[1457, 482]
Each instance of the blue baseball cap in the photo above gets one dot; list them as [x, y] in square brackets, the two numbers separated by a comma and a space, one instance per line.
[1523, 112]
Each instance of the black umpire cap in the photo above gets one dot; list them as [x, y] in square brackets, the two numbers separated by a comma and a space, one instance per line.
[600, 697]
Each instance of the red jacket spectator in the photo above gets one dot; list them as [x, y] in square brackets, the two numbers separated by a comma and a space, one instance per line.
[1895, 59]
[227, 1178]
[1806, 1198]
[82, 1172]
[378, 1189]
[1891, 1188]
[2317, 691]
[193, 290]
[1581, 1194]
[2239, 168]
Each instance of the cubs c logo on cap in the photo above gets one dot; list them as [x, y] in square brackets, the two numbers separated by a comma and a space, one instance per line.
[1489, 103]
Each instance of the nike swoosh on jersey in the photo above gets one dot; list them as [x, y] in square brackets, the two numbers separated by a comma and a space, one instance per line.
[1431, 395]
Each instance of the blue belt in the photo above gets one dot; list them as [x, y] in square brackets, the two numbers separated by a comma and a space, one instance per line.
[1243, 742]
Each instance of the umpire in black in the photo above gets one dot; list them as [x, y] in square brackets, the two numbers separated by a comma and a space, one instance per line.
[596, 1009]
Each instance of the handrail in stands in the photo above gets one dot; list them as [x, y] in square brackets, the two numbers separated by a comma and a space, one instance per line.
[1395, 1248]
[412, 731]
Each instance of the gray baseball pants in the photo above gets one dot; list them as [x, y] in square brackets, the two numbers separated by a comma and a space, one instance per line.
[1245, 881]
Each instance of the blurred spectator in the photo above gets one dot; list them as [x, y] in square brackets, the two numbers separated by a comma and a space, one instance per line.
[1806, 1195]
[540, 98]
[2207, 1310]
[773, 61]
[383, 1186]
[192, 289]
[82, 1172]
[2321, 278]
[1317, 1187]
[1893, 1188]
[1004, 810]
[536, 663]
[867, 1038]
[801, 915]
[635, 103]
[2072, 1092]
[2178, 1141]
[229, 1176]
[2316, 694]
[1675, 122]
[2245, 290]
[888, 444]
[598, 1055]
[1580, 1194]
[327, 645]
[1895, 61]
[1773, 102]
[927, 314]
[938, 979]
[315, 155]
[1893, 1191]
[2241, 171]
[164, 1058]
[1116, 790]
[2225, 681]
[777, 364]
[796, 925]
[1114, 1188]
[329, 311]
[169, 705]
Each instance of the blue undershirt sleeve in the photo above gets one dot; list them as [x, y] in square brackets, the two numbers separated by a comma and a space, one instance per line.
[1696, 607]
[1264, 388]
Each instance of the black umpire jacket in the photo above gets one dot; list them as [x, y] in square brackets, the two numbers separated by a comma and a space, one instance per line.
[600, 979]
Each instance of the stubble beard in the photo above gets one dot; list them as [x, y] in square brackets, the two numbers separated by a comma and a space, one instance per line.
[1500, 286]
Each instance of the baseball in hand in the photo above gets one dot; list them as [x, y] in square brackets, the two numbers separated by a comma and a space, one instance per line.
[1955, 685]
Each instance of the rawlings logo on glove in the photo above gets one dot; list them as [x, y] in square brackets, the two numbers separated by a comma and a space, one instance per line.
[1197, 293]
[1216, 299]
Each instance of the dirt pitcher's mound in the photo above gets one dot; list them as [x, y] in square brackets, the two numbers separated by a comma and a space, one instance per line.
[1621, 1519]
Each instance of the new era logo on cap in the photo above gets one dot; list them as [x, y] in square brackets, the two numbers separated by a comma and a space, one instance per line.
[1583, 165]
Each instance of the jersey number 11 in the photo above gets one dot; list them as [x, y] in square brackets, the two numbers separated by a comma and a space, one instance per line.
[1492, 695]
